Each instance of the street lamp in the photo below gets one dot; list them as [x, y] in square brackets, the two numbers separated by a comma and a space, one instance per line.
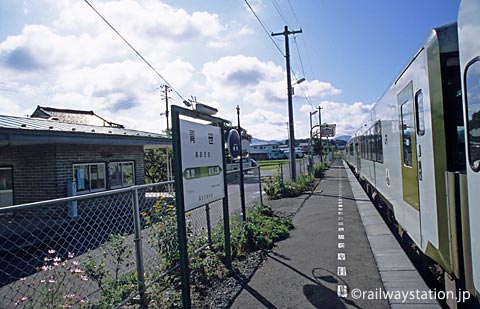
[320, 131]
[291, 130]
[310, 159]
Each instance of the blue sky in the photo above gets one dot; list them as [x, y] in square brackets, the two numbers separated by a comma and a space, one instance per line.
[59, 53]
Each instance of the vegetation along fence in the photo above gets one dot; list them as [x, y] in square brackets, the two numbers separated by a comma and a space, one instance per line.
[110, 248]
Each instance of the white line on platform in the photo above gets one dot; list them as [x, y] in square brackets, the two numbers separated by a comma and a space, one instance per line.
[342, 290]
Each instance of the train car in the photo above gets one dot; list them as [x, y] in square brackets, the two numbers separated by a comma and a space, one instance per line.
[469, 47]
[411, 154]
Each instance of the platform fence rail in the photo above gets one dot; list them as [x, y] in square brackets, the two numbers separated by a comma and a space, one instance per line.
[105, 249]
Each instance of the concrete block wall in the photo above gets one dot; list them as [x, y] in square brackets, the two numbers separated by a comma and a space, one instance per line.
[42, 172]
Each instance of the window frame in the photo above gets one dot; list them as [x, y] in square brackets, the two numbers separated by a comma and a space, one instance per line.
[121, 163]
[90, 190]
[8, 189]
[420, 120]
[408, 105]
[474, 167]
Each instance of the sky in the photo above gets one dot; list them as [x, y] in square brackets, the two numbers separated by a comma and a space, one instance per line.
[60, 53]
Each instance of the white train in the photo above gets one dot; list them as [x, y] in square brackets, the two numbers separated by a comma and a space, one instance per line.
[419, 150]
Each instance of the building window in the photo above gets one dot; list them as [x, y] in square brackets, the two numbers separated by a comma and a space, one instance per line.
[472, 99]
[121, 174]
[89, 177]
[6, 186]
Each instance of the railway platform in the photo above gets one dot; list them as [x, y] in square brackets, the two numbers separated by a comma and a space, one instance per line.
[340, 255]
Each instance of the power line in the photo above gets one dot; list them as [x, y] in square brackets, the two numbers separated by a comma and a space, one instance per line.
[279, 11]
[294, 15]
[268, 32]
[133, 48]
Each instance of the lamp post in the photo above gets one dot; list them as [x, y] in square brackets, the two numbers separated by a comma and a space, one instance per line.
[310, 158]
[291, 129]
[320, 129]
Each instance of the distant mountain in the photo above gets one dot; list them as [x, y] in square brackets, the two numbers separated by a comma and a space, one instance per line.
[345, 138]
[262, 141]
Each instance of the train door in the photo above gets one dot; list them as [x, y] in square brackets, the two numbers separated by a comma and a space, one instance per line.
[408, 147]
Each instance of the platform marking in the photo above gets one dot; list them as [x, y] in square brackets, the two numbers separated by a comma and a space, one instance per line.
[342, 291]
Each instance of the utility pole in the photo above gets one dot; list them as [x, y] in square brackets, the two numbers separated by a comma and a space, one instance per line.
[320, 130]
[166, 90]
[291, 135]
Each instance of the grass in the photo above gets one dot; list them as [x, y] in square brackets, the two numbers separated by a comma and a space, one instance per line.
[272, 164]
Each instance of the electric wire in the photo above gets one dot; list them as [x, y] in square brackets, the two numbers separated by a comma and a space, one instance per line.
[135, 50]
[267, 31]
[279, 11]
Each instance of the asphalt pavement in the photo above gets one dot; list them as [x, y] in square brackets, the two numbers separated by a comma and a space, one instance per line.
[327, 262]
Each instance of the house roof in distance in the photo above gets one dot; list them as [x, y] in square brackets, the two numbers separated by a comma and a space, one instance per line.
[72, 116]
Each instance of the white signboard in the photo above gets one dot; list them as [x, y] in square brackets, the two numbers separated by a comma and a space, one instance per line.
[202, 163]
[328, 130]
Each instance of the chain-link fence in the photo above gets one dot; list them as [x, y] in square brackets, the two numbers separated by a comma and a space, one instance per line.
[103, 249]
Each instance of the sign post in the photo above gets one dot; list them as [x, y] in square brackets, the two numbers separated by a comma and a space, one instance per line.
[199, 166]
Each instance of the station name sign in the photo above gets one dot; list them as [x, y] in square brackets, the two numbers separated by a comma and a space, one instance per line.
[202, 162]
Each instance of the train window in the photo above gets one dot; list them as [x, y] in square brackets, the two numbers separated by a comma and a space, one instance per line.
[472, 99]
[419, 113]
[407, 132]
[378, 141]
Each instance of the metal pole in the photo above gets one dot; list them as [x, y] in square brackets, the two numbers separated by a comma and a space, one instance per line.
[209, 225]
[181, 224]
[242, 188]
[260, 185]
[320, 131]
[138, 248]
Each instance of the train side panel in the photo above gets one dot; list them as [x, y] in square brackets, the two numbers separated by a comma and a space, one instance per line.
[469, 45]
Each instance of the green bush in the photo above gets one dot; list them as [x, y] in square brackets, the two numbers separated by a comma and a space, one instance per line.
[262, 229]
[277, 189]
[319, 169]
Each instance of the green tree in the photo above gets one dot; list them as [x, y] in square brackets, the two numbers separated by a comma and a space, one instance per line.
[156, 164]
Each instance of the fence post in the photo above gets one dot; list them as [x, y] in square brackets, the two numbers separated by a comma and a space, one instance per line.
[260, 184]
[138, 248]
[209, 226]
[281, 171]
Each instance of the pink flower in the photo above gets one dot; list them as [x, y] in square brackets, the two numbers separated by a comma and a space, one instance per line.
[75, 263]
[51, 251]
[23, 279]
[70, 255]
[76, 270]
[83, 278]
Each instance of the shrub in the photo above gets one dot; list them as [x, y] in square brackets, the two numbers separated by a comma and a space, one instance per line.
[262, 229]
[277, 189]
[319, 169]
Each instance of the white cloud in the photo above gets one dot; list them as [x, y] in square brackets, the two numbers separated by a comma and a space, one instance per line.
[347, 117]
[265, 124]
